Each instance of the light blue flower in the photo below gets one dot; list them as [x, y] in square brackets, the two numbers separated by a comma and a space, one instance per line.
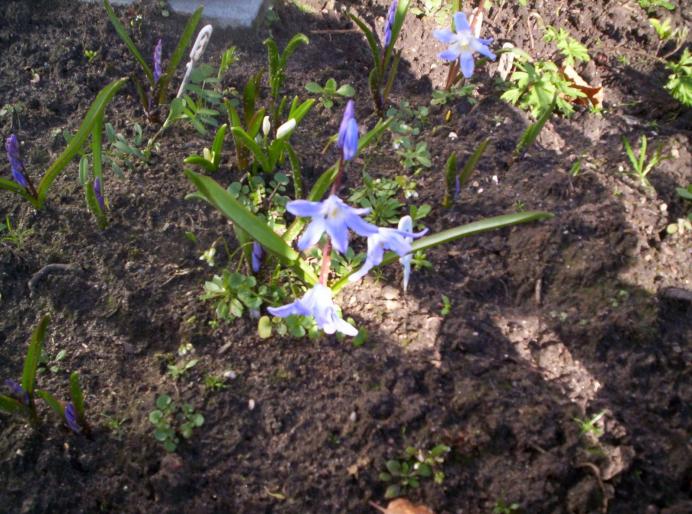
[317, 302]
[462, 44]
[396, 240]
[348, 132]
[332, 216]
[406, 225]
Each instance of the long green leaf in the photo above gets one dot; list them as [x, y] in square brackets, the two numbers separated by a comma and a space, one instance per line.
[52, 402]
[399, 17]
[296, 170]
[298, 112]
[243, 137]
[450, 173]
[372, 43]
[452, 234]
[77, 395]
[258, 229]
[33, 355]
[12, 406]
[217, 145]
[292, 46]
[472, 162]
[77, 141]
[532, 131]
[12, 186]
[178, 53]
[122, 32]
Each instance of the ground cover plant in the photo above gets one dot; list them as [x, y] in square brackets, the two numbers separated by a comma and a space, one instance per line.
[399, 257]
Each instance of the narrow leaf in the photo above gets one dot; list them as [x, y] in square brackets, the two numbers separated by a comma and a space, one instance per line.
[77, 395]
[33, 355]
[122, 32]
[52, 402]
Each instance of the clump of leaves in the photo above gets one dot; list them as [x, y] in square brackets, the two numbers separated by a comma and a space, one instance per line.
[407, 472]
[330, 92]
[571, 49]
[443, 96]
[641, 167]
[679, 83]
[651, 5]
[17, 236]
[533, 86]
[170, 421]
[414, 155]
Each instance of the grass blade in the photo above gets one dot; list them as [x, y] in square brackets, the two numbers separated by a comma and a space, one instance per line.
[122, 32]
[33, 355]
[77, 141]
[244, 138]
[472, 162]
[12, 186]
[77, 396]
[372, 42]
[12, 406]
[52, 402]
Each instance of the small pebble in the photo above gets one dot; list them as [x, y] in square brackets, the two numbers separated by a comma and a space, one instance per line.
[495, 179]
[251, 404]
[453, 136]
[353, 417]
[664, 207]
[230, 375]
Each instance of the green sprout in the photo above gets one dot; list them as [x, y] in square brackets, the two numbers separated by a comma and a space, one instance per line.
[407, 473]
[640, 166]
[330, 93]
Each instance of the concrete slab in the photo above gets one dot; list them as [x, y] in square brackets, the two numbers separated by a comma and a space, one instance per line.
[223, 13]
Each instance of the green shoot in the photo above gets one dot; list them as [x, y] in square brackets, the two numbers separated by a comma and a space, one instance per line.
[640, 167]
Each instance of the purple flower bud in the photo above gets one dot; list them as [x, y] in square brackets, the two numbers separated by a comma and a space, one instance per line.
[17, 391]
[457, 187]
[99, 194]
[71, 418]
[157, 60]
[257, 254]
[348, 132]
[12, 147]
[391, 14]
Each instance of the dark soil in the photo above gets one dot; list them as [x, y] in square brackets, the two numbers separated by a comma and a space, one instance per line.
[549, 321]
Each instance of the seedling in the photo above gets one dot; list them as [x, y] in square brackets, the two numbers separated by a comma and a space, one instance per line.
[446, 306]
[170, 421]
[651, 5]
[505, 508]
[16, 236]
[571, 49]
[214, 383]
[679, 83]
[588, 426]
[407, 473]
[414, 156]
[330, 93]
[640, 167]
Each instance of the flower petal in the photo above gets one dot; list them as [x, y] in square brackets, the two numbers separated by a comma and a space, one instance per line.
[482, 49]
[466, 61]
[338, 231]
[448, 55]
[358, 224]
[286, 310]
[312, 234]
[304, 208]
[345, 328]
[446, 36]
[460, 22]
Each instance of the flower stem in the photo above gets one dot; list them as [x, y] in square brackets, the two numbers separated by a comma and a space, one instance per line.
[327, 248]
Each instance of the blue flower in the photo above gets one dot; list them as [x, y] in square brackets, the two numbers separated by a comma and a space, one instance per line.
[71, 418]
[463, 44]
[12, 147]
[406, 225]
[391, 14]
[332, 216]
[17, 391]
[157, 60]
[396, 240]
[348, 132]
[99, 194]
[257, 254]
[317, 302]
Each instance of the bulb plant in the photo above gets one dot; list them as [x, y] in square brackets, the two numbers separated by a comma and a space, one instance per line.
[385, 57]
[322, 228]
[21, 398]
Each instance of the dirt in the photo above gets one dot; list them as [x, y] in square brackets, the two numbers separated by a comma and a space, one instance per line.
[550, 322]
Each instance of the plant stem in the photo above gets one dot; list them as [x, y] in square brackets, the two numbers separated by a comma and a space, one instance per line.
[327, 248]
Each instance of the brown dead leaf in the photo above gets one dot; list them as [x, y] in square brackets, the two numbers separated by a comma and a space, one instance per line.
[402, 506]
[593, 94]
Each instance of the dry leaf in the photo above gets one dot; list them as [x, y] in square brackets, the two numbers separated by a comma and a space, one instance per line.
[476, 22]
[593, 94]
[402, 506]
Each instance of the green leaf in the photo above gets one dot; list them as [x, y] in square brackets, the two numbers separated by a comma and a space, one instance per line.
[373, 43]
[392, 491]
[122, 32]
[97, 107]
[12, 186]
[52, 402]
[258, 229]
[450, 173]
[394, 467]
[243, 137]
[264, 327]
[12, 406]
[163, 401]
[532, 131]
[452, 234]
[346, 90]
[33, 355]
[472, 162]
[399, 17]
[298, 112]
[313, 87]
[77, 395]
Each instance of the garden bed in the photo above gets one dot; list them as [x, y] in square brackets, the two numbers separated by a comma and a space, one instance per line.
[497, 351]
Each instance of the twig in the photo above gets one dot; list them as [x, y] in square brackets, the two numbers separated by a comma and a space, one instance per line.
[48, 268]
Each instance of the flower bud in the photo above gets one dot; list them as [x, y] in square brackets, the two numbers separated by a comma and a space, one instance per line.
[286, 129]
[266, 126]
